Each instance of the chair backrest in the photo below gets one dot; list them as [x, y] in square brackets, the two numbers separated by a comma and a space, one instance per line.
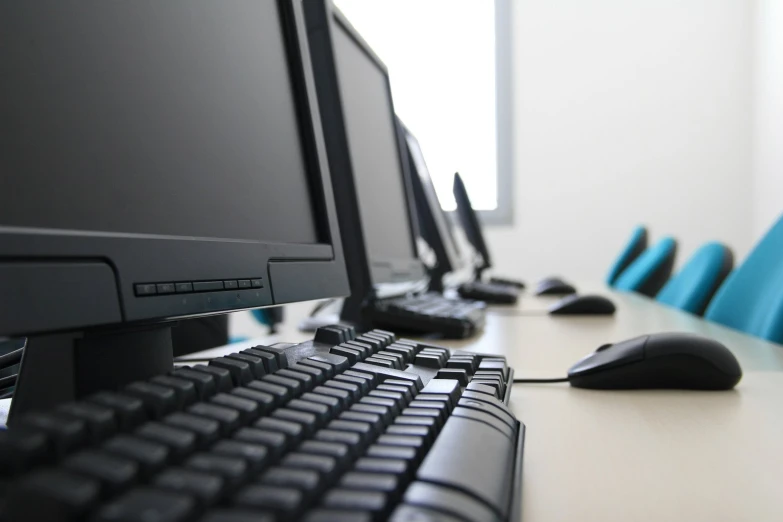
[694, 285]
[751, 298]
[650, 271]
[633, 249]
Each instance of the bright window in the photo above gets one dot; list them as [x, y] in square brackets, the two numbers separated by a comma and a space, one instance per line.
[441, 60]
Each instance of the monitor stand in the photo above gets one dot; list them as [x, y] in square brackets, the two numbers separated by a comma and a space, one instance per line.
[59, 368]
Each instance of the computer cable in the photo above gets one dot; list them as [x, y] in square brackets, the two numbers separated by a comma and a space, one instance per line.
[540, 381]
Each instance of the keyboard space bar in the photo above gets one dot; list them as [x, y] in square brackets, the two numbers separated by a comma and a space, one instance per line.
[475, 458]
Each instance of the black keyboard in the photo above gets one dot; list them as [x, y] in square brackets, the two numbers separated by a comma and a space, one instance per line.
[489, 292]
[430, 313]
[342, 428]
[519, 285]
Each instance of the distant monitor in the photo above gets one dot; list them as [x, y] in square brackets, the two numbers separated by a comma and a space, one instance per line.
[470, 224]
[160, 160]
[367, 157]
[434, 223]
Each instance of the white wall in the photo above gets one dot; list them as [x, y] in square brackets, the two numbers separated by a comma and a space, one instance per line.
[768, 115]
[628, 112]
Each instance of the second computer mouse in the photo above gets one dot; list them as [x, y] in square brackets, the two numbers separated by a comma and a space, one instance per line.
[664, 360]
[583, 305]
[554, 286]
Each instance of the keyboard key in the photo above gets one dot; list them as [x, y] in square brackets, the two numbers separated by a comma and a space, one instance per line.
[461, 364]
[486, 418]
[331, 515]
[406, 429]
[294, 386]
[64, 432]
[240, 370]
[408, 354]
[442, 355]
[351, 354]
[233, 470]
[206, 430]
[204, 383]
[306, 380]
[284, 502]
[363, 383]
[384, 483]
[427, 422]
[269, 360]
[308, 421]
[373, 420]
[364, 430]
[115, 474]
[321, 412]
[381, 451]
[458, 375]
[380, 361]
[339, 452]
[428, 361]
[99, 420]
[223, 381]
[307, 481]
[332, 403]
[184, 390]
[398, 467]
[54, 495]
[340, 397]
[406, 441]
[249, 410]
[255, 455]
[292, 430]
[369, 377]
[383, 413]
[485, 474]
[147, 504]
[326, 466]
[264, 401]
[364, 348]
[327, 369]
[352, 440]
[448, 387]
[339, 363]
[351, 388]
[414, 410]
[375, 502]
[390, 404]
[256, 363]
[228, 418]
[275, 442]
[376, 345]
[129, 411]
[179, 442]
[148, 455]
[206, 488]
[22, 449]
[279, 394]
[398, 398]
[158, 401]
[329, 335]
[235, 515]
[280, 357]
[480, 387]
[404, 391]
[384, 373]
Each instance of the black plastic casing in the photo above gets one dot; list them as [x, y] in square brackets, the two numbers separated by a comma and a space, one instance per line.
[470, 224]
[61, 280]
[365, 273]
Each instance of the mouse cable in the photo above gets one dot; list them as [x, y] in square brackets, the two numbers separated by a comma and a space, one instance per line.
[542, 381]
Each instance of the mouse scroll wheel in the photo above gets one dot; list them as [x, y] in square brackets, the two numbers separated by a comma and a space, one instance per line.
[603, 347]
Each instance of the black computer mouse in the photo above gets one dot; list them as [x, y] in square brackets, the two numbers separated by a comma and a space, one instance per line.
[582, 305]
[554, 286]
[663, 360]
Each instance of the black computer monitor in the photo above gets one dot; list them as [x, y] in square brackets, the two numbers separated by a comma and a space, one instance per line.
[160, 160]
[470, 224]
[367, 157]
[434, 224]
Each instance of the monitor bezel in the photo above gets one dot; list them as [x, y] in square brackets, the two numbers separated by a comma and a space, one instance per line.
[434, 223]
[54, 280]
[368, 276]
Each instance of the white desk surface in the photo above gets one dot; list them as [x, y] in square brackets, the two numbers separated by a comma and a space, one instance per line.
[638, 455]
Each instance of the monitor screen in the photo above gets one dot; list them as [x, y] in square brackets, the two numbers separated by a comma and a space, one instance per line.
[152, 119]
[374, 151]
[159, 160]
[441, 220]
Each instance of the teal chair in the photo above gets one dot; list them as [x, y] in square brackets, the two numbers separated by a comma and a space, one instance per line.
[633, 249]
[693, 286]
[751, 298]
[650, 271]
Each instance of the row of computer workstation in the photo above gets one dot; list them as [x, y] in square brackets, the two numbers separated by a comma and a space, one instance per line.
[165, 162]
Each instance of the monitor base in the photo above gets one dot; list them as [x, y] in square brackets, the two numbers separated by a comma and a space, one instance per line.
[64, 367]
